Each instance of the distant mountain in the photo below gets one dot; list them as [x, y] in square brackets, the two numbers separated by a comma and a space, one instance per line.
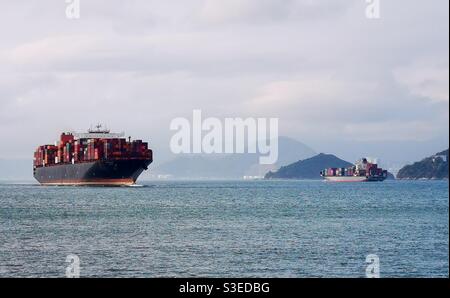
[290, 150]
[232, 166]
[433, 167]
[309, 168]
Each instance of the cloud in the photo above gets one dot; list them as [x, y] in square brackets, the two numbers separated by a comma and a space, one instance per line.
[345, 107]
[325, 70]
[258, 11]
[426, 79]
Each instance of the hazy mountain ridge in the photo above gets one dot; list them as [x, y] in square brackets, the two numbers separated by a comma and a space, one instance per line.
[232, 166]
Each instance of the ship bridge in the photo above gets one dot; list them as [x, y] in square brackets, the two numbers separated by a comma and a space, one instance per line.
[99, 132]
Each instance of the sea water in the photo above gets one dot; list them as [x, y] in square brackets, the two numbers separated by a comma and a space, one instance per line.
[226, 229]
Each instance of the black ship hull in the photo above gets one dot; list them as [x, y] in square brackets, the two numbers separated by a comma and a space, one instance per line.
[101, 172]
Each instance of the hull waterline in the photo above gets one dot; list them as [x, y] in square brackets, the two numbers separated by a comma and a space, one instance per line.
[95, 173]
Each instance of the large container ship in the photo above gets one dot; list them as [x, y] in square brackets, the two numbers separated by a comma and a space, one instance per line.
[362, 171]
[98, 157]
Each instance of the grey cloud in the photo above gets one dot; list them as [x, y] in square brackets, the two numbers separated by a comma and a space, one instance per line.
[138, 64]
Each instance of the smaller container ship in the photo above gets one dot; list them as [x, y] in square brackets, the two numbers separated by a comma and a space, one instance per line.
[94, 158]
[362, 171]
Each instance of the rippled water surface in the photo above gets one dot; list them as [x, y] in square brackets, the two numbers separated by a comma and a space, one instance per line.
[226, 229]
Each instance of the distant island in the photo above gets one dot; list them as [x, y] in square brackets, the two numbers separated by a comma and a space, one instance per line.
[433, 167]
[310, 168]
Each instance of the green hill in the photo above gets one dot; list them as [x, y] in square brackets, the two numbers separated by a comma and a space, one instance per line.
[309, 168]
[433, 167]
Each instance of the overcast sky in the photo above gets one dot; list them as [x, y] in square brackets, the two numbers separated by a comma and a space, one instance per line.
[339, 82]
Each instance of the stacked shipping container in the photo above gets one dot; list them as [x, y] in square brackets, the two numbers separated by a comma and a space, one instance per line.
[71, 150]
[371, 169]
